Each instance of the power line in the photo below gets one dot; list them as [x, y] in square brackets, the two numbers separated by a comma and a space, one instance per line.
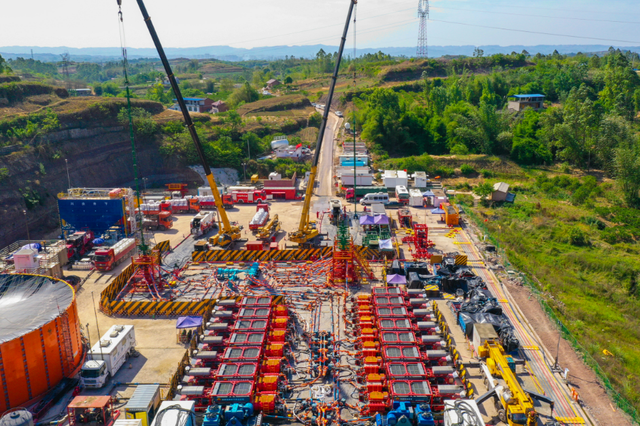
[538, 16]
[322, 28]
[534, 32]
[599, 12]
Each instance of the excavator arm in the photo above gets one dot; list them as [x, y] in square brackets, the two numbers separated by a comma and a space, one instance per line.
[227, 233]
[306, 232]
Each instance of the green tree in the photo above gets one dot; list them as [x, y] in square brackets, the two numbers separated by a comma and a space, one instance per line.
[158, 94]
[143, 125]
[110, 89]
[576, 135]
[288, 80]
[226, 85]
[627, 168]
[234, 121]
[244, 93]
[483, 190]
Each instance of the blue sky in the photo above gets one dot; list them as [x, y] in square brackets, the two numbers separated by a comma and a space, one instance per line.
[380, 23]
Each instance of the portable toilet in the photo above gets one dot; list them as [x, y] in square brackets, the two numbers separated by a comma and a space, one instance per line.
[143, 404]
[26, 259]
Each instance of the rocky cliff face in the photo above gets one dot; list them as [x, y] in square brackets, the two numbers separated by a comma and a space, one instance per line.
[99, 156]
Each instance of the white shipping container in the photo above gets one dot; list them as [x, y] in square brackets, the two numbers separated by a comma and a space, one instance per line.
[481, 333]
[415, 198]
[361, 180]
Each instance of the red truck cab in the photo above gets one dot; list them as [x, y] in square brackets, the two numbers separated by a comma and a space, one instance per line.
[79, 243]
[107, 258]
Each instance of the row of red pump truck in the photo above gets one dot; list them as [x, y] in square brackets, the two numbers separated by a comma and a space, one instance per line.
[240, 357]
[406, 361]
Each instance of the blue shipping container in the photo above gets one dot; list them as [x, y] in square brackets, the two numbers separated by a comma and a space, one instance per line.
[95, 215]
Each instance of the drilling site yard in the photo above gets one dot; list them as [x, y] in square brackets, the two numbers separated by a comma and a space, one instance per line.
[320, 315]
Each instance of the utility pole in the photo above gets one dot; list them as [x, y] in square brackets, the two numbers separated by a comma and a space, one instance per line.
[26, 222]
[423, 14]
[66, 162]
[244, 166]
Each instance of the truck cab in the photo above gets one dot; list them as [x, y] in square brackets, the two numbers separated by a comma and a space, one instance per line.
[104, 259]
[107, 356]
[94, 374]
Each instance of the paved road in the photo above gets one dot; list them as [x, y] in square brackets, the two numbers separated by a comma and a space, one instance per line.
[325, 162]
[531, 350]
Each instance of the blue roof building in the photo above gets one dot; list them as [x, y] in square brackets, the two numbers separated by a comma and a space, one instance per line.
[519, 102]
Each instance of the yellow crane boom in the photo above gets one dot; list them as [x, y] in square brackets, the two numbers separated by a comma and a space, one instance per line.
[228, 233]
[269, 229]
[306, 231]
[518, 408]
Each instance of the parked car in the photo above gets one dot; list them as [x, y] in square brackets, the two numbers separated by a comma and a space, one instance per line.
[339, 113]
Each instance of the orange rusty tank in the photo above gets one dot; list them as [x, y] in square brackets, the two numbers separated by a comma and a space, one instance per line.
[40, 341]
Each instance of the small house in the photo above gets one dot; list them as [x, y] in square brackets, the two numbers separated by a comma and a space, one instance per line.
[519, 102]
[219, 106]
[281, 189]
[272, 83]
[500, 191]
[420, 179]
[195, 104]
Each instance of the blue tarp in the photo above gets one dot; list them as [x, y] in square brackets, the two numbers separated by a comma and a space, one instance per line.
[428, 194]
[381, 219]
[437, 211]
[396, 279]
[189, 321]
[33, 246]
[98, 241]
[366, 220]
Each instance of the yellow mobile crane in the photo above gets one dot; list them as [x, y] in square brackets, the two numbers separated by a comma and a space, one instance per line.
[306, 230]
[514, 405]
[270, 229]
[228, 232]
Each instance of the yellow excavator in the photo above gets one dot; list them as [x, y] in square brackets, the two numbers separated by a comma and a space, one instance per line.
[307, 231]
[514, 405]
[227, 233]
[270, 229]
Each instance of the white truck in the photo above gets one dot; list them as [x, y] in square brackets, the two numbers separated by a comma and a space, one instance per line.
[107, 356]
[202, 223]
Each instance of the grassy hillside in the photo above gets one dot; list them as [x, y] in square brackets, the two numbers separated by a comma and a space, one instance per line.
[280, 103]
[571, 234]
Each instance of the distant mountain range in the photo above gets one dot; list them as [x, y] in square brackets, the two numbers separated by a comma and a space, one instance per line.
[227, 53]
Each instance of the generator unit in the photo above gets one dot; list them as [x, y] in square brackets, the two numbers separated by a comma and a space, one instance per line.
[398, 338]
[394, 324]
[415, 391]
[237, 371]
[401, 353]
[241, 353]
[405, 370]
[232, 392]
[250, 325]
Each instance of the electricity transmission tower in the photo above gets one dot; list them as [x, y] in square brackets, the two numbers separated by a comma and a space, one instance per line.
[423, 14]
[66, 59]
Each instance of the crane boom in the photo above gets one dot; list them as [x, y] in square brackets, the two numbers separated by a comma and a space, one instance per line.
[305, 232]
[228, 233]
[518, 405]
